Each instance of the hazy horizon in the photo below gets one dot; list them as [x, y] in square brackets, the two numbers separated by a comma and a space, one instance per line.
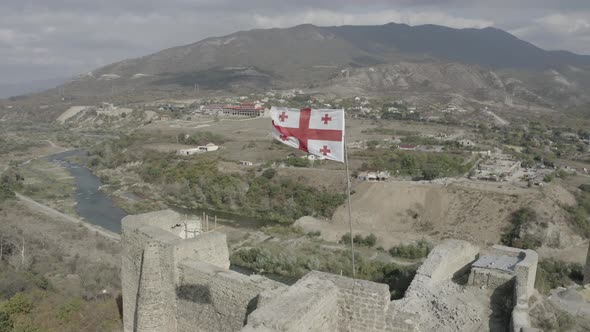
[45, 39]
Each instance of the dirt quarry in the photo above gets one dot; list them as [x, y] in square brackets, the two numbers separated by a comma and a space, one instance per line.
[400, 212]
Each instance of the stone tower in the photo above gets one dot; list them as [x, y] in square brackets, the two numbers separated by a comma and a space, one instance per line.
[587, 269]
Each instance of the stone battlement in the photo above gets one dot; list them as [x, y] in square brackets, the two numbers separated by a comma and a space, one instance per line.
[179, 281]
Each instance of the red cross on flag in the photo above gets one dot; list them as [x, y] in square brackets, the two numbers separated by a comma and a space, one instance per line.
[318, 132]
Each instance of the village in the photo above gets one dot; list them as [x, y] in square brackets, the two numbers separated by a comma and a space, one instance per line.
[489, 162]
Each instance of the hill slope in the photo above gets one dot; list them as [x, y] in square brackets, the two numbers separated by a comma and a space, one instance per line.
[311, 56]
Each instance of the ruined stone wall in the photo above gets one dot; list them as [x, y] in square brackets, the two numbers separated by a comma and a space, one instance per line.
[447, 260]
[362, 304]
[174, 284]
[147, 278]
[208, 247]
[325, 302]
[309, 305]
[212, 298]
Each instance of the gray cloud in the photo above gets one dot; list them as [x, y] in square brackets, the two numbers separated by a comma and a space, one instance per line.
[56, 38]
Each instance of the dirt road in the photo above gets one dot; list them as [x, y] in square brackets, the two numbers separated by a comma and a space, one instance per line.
[54, 213]
[502, 121]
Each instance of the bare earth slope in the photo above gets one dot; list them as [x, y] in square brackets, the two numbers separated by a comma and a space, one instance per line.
[478, 212]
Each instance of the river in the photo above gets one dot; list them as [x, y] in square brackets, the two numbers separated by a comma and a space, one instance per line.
[92, 204]
[98, 208]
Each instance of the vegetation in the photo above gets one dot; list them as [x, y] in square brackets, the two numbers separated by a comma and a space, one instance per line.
[368, 241]
[6, 191]
[297, 162]
[198, 182]
[389, 131]
[552, 274]
[201, 138]
[417, 164]
[580, 214]
[562, 322]
[72, 298]
[416, 250]
[512, 235]
[296, 262]
[10, 144]
[47, 310]
[9, 182]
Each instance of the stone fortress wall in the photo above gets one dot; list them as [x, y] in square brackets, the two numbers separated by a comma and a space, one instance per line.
[181, 281]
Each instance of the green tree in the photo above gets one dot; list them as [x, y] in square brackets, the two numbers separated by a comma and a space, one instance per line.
[269, 173]
[430, 173]
[6, 323]
[19, 303]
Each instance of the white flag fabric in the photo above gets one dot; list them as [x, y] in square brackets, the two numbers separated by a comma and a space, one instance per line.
[319, 132]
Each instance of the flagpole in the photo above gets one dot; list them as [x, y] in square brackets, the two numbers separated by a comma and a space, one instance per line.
[349, 209]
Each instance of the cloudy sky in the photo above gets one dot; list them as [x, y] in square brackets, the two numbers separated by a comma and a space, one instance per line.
[42, 39]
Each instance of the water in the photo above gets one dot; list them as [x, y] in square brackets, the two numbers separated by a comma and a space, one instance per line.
[98, 208]
[93, 205]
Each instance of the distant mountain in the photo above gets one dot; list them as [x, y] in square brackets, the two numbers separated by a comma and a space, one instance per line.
[488, 47]
[17, 89]
[311, 56]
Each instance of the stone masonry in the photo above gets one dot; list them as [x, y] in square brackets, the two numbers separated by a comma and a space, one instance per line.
[173, 282]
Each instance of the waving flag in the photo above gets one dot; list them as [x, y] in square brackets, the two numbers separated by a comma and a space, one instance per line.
[318, 132]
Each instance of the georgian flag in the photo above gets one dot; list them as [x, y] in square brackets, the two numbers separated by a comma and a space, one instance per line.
[318, 132]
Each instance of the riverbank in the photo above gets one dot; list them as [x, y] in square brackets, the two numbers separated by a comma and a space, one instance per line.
[46, 210]
[91, 204]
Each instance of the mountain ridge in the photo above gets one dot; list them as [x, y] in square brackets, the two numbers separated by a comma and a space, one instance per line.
[308, 56]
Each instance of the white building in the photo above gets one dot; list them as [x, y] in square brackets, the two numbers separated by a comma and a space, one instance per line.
[313, 157]
[208, 148]
[199, 149]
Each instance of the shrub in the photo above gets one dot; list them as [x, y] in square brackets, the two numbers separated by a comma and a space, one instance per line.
[298, 162]
[430, 173]
[269, 173]
[416, 250]
[552, 273]
[67, 310]
[285, 261]
[358, 239]
[5, 192]
[580, 214]
[6, 323]
[370, 240]
[283, 231]
[20, 303]
[511, 235]
[548, 178]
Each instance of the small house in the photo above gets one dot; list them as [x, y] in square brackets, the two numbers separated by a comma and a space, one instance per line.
[208, 148]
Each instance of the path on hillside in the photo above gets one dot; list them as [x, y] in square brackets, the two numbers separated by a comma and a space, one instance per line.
[49, 211]
[502, 121]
